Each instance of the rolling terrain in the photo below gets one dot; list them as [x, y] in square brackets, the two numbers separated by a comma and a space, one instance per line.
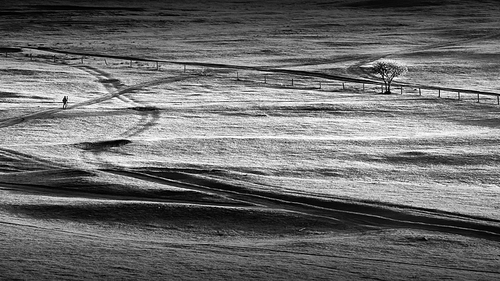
[215, 164]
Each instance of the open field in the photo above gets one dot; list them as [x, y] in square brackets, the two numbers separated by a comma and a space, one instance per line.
[233, 172]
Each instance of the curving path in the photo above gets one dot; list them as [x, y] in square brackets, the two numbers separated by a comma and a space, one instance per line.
[359, 75]
[339, 210]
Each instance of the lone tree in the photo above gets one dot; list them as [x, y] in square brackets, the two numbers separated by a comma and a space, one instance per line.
[388, 70]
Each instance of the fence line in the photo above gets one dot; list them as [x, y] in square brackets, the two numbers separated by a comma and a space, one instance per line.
[268, 70]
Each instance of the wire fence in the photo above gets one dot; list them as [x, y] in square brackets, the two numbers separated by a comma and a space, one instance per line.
[275, 77]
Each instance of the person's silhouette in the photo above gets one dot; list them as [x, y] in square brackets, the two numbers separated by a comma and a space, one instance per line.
[65, 102]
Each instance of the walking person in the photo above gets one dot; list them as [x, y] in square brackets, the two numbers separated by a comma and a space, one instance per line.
[65, 102]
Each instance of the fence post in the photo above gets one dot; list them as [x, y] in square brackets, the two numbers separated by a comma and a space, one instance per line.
[343, 86]
[401, 89]
[265, 78]
[458, 95]
[477, 98]
[292, 82]
[419, 91]
[439, 93]
[130, 63]
[237, 76]
[381, 88]
[157, 66]
[498, 100]
[363, 87]
[105, 62]
[54, 57]
[82, 59]
[31, 57]
[320, 84]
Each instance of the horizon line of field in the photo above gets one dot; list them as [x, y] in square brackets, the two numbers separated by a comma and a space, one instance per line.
[341, 78]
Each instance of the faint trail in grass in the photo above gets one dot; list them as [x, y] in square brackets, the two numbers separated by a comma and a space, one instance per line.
[148, 112]
[149, 118]
[149, 115]
[20, 119]
[106, 79]
[357, 69]
[351, 212]
[46, 113]
[110, 197]
[376, 215]
[26, 161]
[254, 200]
[356, 78]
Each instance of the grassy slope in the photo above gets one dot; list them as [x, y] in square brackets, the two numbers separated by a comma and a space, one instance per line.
[409, 150]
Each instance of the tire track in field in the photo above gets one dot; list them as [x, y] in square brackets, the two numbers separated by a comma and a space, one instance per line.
[148, 119]
[106, 79]
[144, 198]
[341, 211]
[115, 89]
[27, 162]
[381, 217]
[149, 115]
[344, 78]
[249, 199]
[119, 92]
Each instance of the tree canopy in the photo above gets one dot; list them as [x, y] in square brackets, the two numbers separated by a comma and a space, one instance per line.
[388, 70]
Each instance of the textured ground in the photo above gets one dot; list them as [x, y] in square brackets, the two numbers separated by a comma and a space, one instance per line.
[173, 173]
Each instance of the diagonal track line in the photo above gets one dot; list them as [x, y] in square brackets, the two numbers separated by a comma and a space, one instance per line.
[336, 212]
[45, 113]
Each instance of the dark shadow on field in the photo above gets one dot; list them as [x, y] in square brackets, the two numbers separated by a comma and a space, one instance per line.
[23, 97]
[12, 160]
[9, 95]
[10, 50]
[486, 122]
[102, 145]
[96, 152]
[74, 183]
[204, 219]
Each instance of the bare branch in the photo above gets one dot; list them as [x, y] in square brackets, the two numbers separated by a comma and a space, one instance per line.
[388, 70]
